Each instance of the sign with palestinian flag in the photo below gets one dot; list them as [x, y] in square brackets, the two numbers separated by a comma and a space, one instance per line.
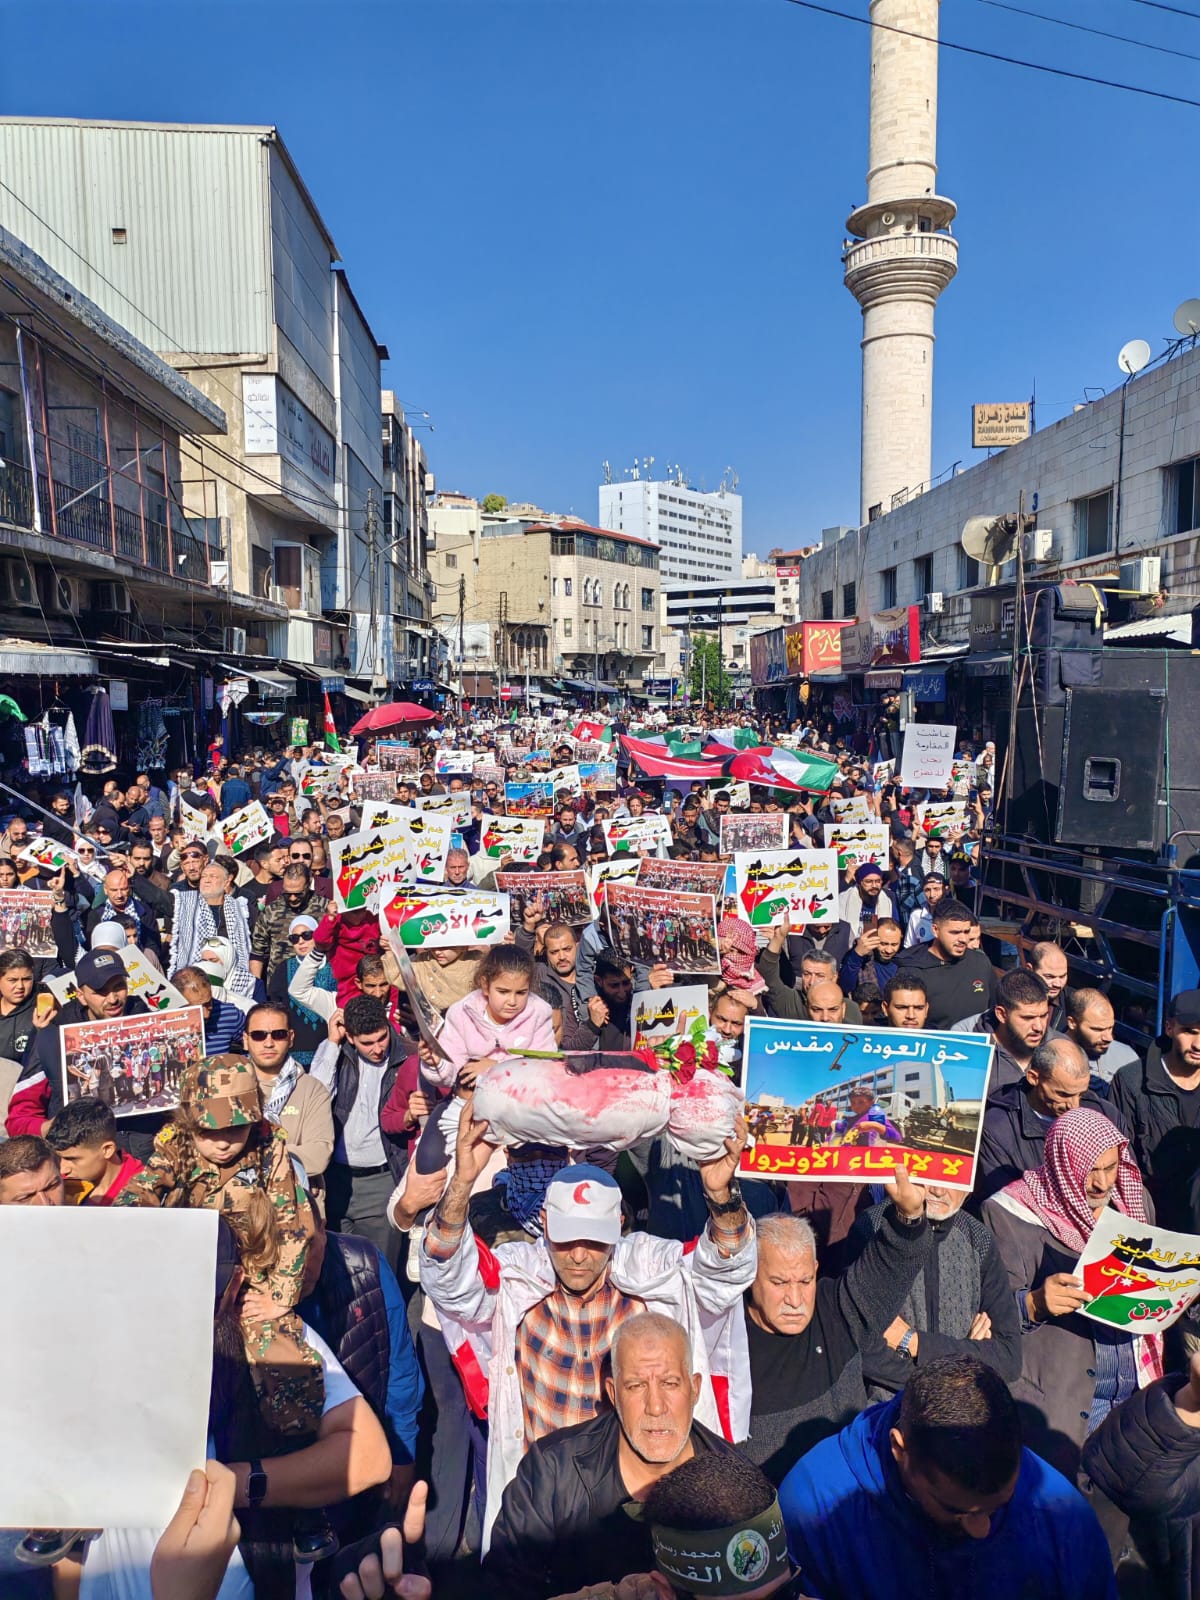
[619, 869]
[247, 827]
[628, 835]
[793, 886]
[412, 845]
[857, 844]
[518, 837]
[435, 920]
[1142, 1278]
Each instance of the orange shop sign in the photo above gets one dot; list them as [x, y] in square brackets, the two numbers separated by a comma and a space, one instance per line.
[822, 647]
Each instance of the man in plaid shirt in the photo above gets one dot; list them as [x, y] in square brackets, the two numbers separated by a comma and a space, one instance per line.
[538, 1318]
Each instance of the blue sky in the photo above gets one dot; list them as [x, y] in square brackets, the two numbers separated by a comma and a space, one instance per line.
[592, 229]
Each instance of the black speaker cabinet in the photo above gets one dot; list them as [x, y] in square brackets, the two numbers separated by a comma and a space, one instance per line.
[1113, 754]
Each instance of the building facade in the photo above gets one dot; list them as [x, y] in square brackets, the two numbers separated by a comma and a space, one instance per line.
[406, 591]
[698, 534]
[205, 243]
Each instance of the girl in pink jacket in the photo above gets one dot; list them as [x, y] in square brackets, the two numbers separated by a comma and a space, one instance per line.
[501, 1017]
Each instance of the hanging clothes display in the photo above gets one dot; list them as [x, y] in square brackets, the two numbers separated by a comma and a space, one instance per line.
[153, 737]
[99, 739]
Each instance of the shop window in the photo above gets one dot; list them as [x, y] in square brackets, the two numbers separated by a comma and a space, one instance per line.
[1093, 524]
[887, 588]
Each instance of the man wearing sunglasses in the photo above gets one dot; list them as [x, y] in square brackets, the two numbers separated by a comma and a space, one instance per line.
[292, 1099]
[297, 898]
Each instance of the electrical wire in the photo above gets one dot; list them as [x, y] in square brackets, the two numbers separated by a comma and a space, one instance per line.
[1160, 5]
[1100, 33]
[992, 55]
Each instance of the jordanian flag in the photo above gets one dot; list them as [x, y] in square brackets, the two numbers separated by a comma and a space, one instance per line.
[331, 737]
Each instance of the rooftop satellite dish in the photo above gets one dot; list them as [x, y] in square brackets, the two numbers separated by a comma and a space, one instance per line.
[991, 540]
[1133, 356]
[1187, 319]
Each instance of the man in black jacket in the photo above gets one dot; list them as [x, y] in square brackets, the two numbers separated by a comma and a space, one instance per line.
[1160, 1100]
[960, 981]
[562, 1522]
[1018, 1022]
[1017, 1117]
[358, 1064]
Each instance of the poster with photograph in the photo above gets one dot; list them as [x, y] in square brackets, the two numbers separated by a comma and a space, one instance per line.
[193, 821]
[941, 818]
[456, 763]
[413, 846]
[589, 751]
[133, 1064]
[488, 772]
[393, 756]
[840, 1104]
[793, 886]
[529, 799]
[598, 777]
[25, 921]
[438, 918]
[1142, 1278]
[621, 869]
[146, 983]
[927, 755]
[883, 771]
[456, 808]
[378, 786]
[850, 808]
[518, 837]
[564, 895]
[49, 855]
[655, 925]
[651, 832]
[689, 877]
[658, 1013]
[430, 1020]
[857, 843]
[763, 830]
[245, 829]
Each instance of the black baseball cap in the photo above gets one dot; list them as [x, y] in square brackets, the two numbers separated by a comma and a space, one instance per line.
[1185, 1008]
[98, 967]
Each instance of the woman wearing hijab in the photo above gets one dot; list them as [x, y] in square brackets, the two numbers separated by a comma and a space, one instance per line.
[1073, 1370]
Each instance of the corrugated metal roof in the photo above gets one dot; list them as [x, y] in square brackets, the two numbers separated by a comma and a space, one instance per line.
[194, 270]
[1178, 627]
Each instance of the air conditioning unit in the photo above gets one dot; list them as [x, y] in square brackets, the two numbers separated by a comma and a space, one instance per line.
[234, 641]
[17, 587]
[1037, 543]
[277, 595]
[111, 597]
[934, 603]
[62, 596]
[1141, 576]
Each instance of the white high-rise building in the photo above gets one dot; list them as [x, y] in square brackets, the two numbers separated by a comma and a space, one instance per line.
[699, 535]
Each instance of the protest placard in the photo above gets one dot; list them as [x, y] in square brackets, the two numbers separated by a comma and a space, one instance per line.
[857, 843]
[840, 1104]
[850, 808]
[690, 877]
[148, 1276]
[436, 919]
[653, 926]
[765, 830]
[589, 751]
[246, 828]
[519, 837]
[133, 1064]
[883, 771]
[962, 775]
[560, 778]
[564, 895]
[456, 763]
[25, 922]
[412, 845]
[942, 817]
[927, 754]
[793, 886]
[430, 1020]
[598, 777]
[621, 869]
[737, 789]
[48, 854]
[378, 786]
[146, 983]
[658, 1013]
[529, 799]
[1142, 1278]
[488, 772]
[628, 835]
[317, 781]
[455, 807]
[193, 821]
[393, 756]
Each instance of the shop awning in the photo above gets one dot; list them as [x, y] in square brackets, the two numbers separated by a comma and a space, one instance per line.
[989, 664]
[363, 699]
[29, 662]
[589, 686]
[274, 682]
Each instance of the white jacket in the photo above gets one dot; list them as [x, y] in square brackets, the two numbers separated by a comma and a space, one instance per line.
[482, 1297]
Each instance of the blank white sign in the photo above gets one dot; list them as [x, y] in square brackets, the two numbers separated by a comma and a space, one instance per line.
[107, 1340]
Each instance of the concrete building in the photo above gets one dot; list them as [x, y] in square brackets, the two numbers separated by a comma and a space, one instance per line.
[900, 255]
[206, 244]
[405, 583]
[698, 534]
[103, 573]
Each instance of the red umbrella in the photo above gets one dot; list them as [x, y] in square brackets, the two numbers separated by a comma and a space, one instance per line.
[400, 714]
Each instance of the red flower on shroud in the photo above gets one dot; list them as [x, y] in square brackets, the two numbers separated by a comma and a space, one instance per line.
[685, 1063]
[648, 1058]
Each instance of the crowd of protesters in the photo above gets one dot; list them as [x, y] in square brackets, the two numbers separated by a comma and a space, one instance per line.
[549, 1371]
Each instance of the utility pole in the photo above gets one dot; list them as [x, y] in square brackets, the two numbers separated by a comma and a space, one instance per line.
[502, 645]
[374, 581]
[462, 634]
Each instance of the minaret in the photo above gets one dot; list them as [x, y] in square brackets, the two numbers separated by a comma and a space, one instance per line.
[901, 255]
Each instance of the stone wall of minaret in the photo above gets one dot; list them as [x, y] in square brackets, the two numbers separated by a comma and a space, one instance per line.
[901, 255]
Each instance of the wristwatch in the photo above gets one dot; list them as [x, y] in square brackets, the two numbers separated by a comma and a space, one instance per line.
[256, 1485]
[902, 1347]
[723, 1208]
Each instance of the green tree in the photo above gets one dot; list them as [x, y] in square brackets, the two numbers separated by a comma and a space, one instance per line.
[707, 679]
[494, 502]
